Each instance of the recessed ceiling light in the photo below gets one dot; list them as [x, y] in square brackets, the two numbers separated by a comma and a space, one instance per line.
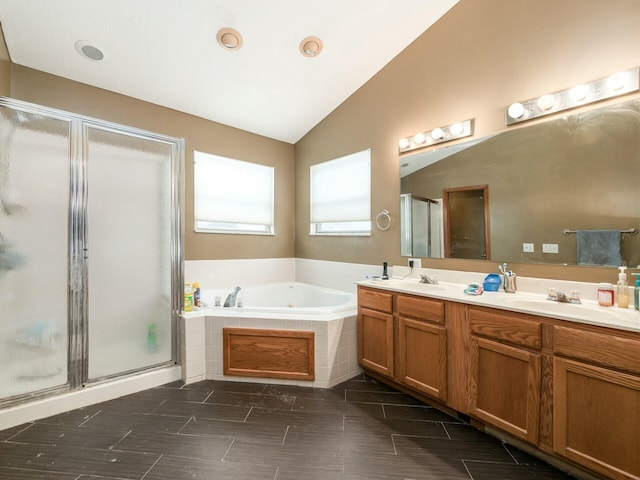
[311, 46]
[229, 39]
[89, 51]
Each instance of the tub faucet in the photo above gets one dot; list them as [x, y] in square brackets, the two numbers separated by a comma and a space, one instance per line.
[231, 298]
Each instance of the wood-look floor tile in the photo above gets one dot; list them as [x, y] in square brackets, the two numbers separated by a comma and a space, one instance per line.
[500, 471]
[489, 450]
[421, 413]
[389, 398]
[11, 432]
[250, 432]
[411, 467]
[107, 420]
[182, 394]
[251, 400]
[177, 445]
[74, 417]
[298, 420]
[354, 425]
[70, 436]
[340, 406]
[303, 392]
[364, 384]
[239, 387]
[203, 410]
[327, 459]
[72, 459]
[22, 474]
[176, 468]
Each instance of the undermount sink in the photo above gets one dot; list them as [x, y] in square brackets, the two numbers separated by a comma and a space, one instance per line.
[592, 312]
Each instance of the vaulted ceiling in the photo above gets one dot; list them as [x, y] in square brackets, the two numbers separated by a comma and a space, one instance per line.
[166, 52]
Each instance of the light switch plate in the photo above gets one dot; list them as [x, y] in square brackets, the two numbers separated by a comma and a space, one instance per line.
[549, 248]
[417, 262]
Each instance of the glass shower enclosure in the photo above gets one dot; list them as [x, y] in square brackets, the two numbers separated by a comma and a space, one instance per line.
[90, 250]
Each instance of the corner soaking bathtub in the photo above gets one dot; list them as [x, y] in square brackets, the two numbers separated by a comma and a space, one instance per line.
[327, 317]
[285, 298]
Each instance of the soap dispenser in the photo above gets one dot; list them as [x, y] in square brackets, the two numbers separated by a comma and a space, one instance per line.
[622, 291]
[636, 292]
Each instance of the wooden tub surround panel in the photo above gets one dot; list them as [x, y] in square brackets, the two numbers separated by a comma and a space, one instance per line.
[287, 354]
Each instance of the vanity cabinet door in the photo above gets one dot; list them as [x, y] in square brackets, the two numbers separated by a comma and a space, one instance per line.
[504, 384]
[597, 418]
[375, 341]
[422, 357]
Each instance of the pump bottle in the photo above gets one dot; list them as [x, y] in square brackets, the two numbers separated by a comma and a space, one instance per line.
[622, 290]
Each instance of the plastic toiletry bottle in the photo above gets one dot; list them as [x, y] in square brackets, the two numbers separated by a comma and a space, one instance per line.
[188, 297]
[196, 295]
[605, 294]
[636, 292]
[622, 289]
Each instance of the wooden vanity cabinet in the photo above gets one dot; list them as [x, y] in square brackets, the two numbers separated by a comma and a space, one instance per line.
[505, 371]
[596, 386]
[421, 348]
[375, 331]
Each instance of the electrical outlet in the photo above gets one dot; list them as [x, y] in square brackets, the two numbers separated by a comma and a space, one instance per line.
[549, 248]
[528, 247]
[417, 262]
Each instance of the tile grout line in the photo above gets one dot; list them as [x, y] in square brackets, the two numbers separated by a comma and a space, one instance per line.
[91, 417]
[18, 433]
[445, 430]
[154, 464]
[121, 439]
[464, 463]
[233, 440]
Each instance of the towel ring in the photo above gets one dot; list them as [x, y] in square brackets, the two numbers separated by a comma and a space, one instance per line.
[383, 220]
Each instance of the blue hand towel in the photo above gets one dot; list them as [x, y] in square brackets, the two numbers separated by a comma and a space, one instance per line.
[599, 247]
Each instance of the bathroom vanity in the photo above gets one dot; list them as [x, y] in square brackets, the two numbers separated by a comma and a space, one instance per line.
[564, 381]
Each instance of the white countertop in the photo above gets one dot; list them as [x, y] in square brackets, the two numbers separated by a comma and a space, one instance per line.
[589, 312]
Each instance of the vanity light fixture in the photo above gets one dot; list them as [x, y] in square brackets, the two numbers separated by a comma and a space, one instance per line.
[229, 39]
[436, 135]
[612, 86]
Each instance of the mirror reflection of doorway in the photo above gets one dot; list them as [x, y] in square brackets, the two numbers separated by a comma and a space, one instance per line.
[466, 222]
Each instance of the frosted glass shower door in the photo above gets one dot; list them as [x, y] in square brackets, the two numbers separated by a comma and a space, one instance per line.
[34, 246]
[129, 253]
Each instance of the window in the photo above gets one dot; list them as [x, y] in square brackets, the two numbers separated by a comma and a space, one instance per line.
[341, 195]
[232, 196]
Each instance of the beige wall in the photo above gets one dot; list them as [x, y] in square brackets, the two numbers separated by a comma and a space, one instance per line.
[199, 134]
[480, 57]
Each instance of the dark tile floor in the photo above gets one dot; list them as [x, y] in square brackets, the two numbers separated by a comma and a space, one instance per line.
[357, 430]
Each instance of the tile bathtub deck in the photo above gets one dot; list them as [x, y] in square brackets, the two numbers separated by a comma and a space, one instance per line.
[357, 430]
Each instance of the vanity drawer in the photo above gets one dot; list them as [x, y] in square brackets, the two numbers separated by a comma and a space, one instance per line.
[375, 300]
[507, 327]
[600, 348]
[421, 308]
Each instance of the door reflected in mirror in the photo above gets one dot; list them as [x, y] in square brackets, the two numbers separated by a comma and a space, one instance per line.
[466, 223]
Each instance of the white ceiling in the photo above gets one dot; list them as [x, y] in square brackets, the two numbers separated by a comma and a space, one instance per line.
[165, 52]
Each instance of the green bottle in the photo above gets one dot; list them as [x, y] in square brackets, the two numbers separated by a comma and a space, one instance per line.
[636, 292]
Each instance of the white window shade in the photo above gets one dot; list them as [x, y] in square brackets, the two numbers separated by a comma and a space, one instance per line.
[232, 196]
[341, 195]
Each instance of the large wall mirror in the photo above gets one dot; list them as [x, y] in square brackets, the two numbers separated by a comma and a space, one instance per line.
[545, 182]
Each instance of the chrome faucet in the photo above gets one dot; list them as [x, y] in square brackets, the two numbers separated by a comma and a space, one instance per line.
[231, 298]
[561, 297]
[427, 279]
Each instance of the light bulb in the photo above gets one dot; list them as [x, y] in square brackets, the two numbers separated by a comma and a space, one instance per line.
[578, 93]
[616, 81]
[545, 102]
[456, 129]
[516, 110]
[437, 133]
[403, 143]
[419, 138]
